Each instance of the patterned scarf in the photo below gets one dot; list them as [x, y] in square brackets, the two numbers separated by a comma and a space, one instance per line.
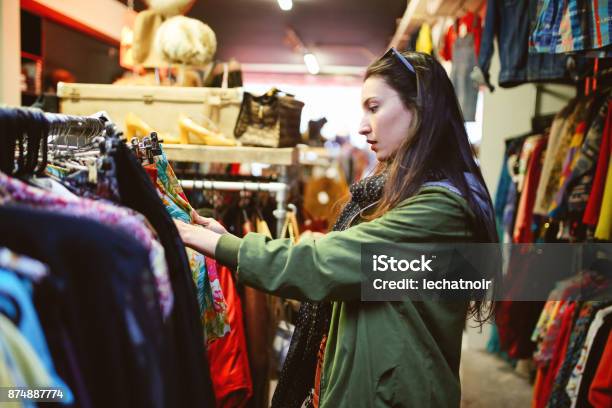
[297, 376]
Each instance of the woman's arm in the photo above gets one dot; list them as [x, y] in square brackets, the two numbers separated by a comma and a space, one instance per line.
[329, 268]
[202, 239]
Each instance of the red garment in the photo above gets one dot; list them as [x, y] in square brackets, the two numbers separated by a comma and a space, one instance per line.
[228, 358]
[473, 22]
[591, 213]
[600, 393]
[523, 232]
[541, 394]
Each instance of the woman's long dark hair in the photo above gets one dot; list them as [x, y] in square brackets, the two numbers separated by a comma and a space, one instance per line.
[437, 144]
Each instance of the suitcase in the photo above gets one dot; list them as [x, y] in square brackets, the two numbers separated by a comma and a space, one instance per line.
[158, 106]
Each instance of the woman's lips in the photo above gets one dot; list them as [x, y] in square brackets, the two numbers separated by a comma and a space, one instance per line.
[373, 145]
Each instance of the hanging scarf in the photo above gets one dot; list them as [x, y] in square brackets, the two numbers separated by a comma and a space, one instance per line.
[297, 376]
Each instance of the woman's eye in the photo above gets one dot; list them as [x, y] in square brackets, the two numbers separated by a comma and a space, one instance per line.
[373, 108]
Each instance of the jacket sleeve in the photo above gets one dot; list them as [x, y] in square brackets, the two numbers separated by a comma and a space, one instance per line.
[491, 29]
[329, 268]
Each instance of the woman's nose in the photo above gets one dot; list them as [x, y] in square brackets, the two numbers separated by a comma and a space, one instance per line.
[364, 127]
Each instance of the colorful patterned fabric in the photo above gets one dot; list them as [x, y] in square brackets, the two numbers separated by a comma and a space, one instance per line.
[573, 384]
[600, 23]
[123, 219]
[210, 296]
[568, 26]
[546, 35]
[558, 397]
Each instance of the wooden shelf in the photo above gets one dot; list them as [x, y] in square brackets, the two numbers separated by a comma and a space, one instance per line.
[237, 154]
[287, 156]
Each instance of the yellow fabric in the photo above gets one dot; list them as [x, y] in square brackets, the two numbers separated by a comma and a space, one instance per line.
[604, 225]
[424, 43]
[6, 379]
[25, 358]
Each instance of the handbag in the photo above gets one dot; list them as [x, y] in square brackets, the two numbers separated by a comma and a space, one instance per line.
[270, 120]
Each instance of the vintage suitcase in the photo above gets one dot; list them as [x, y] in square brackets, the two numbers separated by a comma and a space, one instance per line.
[158, 106]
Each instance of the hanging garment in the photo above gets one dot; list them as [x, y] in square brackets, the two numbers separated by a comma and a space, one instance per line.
[321, 199]
[591, 213]
[100, 282]
[24, 368]
[599, 393]
[186, 376]
[585, 316]
[543, 198]
[573, 384]
[124, 220]
[228, 356]
[581, 180]
[542, 394]
[604, 225]
[464, 61]
[210, 295]
[571, 26]
[566, 170]
[589, 126]
[424, 41]
[511, 24]
[16, 303]
[523, 228]
[501, 195]
[558, 154]
[473, 24]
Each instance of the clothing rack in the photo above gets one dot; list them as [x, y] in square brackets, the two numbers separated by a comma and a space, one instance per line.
[280, 190]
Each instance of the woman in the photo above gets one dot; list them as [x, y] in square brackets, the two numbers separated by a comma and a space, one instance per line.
[427, 188]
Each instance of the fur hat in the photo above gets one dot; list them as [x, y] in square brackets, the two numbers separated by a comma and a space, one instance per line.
[184, 40]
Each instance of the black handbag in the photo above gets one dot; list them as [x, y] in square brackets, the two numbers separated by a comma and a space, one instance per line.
[269, 120]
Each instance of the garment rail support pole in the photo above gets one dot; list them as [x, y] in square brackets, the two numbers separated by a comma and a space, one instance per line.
[281, 202]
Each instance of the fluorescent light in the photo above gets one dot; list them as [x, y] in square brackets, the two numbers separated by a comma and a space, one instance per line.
[285, 5]
[312, 65]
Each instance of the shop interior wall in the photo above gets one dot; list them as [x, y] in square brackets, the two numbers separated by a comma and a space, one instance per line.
[10, 66]
[506, 113]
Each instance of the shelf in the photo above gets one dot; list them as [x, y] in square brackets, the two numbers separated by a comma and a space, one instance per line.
[239, 154]
[314, 156]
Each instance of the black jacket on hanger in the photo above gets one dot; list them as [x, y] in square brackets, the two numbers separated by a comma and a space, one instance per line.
[186, 364]
[101, 323]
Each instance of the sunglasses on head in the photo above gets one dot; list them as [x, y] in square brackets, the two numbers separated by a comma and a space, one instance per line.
[395, 53]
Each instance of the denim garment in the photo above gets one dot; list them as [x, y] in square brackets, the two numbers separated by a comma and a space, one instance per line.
[511, 21]
[464, 61]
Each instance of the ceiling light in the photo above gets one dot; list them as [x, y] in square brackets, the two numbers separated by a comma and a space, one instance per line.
[312, 65]
[285, 5]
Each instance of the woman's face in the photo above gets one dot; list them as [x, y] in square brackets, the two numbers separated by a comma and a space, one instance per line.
[386, 121]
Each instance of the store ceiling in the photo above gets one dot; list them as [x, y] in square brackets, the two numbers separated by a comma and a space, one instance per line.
[339, 32]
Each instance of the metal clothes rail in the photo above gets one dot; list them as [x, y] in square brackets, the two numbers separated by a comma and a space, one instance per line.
[280, 190]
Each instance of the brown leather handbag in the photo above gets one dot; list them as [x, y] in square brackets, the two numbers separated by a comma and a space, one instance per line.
[270, 120]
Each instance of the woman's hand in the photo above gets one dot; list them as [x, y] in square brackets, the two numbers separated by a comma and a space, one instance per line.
[201, 239]
[209, 223]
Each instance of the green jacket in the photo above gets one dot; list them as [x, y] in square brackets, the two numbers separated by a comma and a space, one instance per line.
[378, 354]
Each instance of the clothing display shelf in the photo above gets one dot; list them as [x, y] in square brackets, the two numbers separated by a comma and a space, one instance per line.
[285, 156]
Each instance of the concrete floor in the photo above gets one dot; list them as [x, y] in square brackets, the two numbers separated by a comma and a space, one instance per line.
[488, 381]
